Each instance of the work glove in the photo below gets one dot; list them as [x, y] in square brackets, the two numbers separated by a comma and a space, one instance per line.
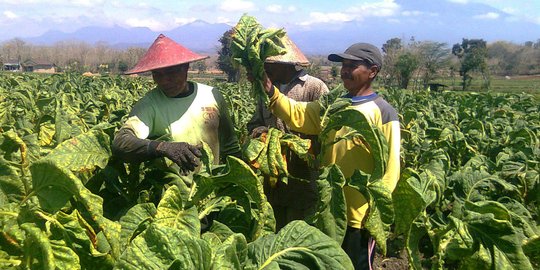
[258, 131]
[184, 154]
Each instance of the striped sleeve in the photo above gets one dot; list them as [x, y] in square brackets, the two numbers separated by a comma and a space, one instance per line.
[299, 116]
[391, 130]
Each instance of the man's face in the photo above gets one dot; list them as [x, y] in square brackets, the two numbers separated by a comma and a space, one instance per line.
[356, 75]
[171, 80]
[276, 72]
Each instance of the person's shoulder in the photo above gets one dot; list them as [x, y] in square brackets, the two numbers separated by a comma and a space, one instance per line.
[313, 78]
[316, 83]
[203, 87]
[388, 112]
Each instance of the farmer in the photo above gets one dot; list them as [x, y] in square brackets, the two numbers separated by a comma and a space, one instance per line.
[294, 200]
[361, 63]
[185, 112]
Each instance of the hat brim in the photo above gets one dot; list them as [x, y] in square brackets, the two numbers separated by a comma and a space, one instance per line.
[338, 57]
[137, 70]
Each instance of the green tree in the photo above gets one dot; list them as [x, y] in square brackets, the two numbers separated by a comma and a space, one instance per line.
[405, 66]
[433, 57]
[472, 54]
[224, 60]
[200, 66]
[391, 49]
[122, 66]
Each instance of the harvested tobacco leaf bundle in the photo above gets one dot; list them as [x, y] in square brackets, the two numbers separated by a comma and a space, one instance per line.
[251, 45]
[266, 153]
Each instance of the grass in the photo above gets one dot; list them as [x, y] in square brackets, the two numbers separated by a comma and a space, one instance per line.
[518, 84]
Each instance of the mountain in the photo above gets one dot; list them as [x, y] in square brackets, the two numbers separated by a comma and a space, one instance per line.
[441, 21]
[199, 36]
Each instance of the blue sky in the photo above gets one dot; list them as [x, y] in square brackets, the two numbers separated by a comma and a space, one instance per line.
[27, 18]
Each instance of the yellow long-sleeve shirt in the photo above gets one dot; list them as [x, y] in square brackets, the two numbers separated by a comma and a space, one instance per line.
[347, 154]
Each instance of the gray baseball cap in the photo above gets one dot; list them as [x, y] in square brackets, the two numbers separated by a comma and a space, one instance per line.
[359, 52]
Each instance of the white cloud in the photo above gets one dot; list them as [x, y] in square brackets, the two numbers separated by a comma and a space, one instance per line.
[182, 21]
[412, 13]
[417, 13]
[274, 8]
[150, 23]
[385, 8]
[224, 20]
[510, 10]
[10, 15]
[487, 16]
[280, 9]
[86, 3]
[237, 5]
[334, 17]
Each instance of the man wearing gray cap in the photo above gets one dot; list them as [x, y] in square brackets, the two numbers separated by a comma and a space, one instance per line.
[361, 63]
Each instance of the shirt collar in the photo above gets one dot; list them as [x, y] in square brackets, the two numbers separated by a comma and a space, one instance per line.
[302, 75]
[357, 99]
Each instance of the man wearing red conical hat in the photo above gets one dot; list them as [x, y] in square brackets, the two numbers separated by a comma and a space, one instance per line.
[184, 112]
[294, 200]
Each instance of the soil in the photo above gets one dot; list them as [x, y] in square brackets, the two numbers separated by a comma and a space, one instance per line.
[391, 261]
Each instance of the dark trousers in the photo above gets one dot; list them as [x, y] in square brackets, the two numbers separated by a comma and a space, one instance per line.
[360, 247]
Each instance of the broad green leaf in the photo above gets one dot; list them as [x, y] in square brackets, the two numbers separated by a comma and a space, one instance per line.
[237, 220]
[162, 247]
[83, 153]
[44, 253]
[413, 238]
[521, 218]
[11, 182]
[54, 186]
[381, 210]
[357, 122]
[331, 214]
[531, 248]
[46, 133]
[221, 230]
[297, 246]
[231, 254]
[251, 45]
[413, 193]
[207, 158]
[171, 213]
[496, 235]
[237, 173]
[135, 221]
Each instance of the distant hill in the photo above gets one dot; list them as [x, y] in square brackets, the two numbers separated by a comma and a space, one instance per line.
[440, 21]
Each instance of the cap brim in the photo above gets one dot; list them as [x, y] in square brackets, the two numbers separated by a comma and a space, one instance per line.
[338, 57]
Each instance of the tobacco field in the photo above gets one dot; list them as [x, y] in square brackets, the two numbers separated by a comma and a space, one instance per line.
[468, 196]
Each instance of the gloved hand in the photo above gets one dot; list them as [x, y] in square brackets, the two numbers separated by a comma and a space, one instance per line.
[184, 154]
[258, 131]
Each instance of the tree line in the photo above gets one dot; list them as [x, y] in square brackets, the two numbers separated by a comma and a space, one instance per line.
[407, 64]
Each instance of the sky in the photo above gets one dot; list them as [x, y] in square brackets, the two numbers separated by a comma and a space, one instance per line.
[29, 18]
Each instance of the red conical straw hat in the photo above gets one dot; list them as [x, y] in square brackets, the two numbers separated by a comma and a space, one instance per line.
[292, 56]
[164, 52]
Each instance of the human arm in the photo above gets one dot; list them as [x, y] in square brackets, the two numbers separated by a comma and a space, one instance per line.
[299, 116]
[128, 147]
[391, 131]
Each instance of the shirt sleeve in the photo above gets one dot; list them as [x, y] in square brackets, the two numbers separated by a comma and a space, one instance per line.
[391, 131]
[228, 142]
[299, 116]
[128, 147]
